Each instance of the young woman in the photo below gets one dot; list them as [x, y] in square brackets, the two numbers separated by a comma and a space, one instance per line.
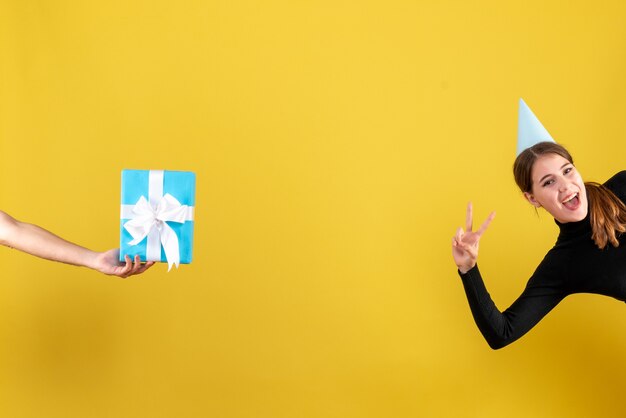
[588, 257]
[41, 243]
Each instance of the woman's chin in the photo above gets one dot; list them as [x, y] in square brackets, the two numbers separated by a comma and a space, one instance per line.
[572, 216]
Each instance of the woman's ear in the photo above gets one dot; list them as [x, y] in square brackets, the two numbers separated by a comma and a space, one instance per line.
[532, 200]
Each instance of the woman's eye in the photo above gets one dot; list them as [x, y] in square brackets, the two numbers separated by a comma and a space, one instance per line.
[547, 183]
[567, 170]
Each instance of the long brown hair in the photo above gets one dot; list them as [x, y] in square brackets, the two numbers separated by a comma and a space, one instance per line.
[606, 212]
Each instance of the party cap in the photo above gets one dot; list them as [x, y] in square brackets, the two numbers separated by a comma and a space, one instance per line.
[529, 130]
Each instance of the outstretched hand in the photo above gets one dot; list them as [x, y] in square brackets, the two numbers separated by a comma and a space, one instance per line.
[108, 263]
[465, 243]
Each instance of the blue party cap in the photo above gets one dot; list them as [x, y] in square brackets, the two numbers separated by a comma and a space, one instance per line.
[529, 130]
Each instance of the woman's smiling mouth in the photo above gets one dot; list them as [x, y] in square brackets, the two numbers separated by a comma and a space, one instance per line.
[572, 202]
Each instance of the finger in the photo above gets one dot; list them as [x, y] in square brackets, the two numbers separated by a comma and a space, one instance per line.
[459, 234]
[126, 268]
[145, 267]
[485, 224]
[472, 250]
[458, 237]
[468, 217]
[136, 265]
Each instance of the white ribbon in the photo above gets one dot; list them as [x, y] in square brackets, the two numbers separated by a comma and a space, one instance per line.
[150, 220]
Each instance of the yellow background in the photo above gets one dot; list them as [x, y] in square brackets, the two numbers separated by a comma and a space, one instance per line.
[336, 144]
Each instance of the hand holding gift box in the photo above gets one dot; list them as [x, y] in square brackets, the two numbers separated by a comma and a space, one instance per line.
[157, 215]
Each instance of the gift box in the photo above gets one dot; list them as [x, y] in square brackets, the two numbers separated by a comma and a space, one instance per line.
[157, 215]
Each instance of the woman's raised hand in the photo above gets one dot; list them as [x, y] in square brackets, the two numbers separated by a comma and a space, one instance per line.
[465, 243]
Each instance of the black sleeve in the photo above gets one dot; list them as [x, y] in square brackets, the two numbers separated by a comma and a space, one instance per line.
[617, 184]
[502, 328]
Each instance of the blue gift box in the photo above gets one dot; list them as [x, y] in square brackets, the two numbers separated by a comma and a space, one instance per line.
[156, 216]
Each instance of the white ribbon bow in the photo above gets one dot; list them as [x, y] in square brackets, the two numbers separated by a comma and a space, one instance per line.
[151, 222]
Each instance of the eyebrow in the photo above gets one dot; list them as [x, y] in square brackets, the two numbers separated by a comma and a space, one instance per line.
[548, 175]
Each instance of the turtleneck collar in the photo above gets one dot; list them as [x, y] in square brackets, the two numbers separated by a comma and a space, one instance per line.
[575, 229]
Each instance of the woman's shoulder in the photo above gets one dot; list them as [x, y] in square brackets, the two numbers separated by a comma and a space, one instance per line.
[620, 175]
[617, 184]
[617, 180]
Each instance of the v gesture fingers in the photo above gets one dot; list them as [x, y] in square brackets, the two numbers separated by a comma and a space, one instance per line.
[465, 243]
[485, 224]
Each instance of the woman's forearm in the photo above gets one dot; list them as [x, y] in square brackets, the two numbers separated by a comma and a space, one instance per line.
[36, 241]
[502, 328]
[39, 242]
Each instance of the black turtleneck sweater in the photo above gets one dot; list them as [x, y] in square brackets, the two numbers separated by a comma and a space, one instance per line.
[574, 265]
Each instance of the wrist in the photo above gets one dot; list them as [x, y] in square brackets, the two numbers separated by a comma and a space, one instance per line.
[90, 259]
[465, 269]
